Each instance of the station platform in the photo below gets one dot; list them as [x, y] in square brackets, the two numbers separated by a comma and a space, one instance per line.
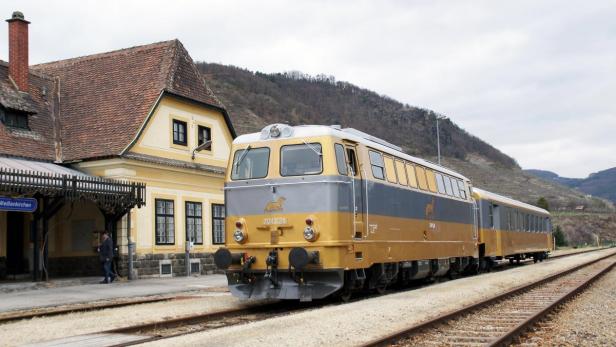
[27, 295]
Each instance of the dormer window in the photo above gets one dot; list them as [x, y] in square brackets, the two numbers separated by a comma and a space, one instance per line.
[14, 119]
[205, 134]
[179, 132]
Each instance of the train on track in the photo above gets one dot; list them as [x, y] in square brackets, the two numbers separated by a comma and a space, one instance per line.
[314, 211]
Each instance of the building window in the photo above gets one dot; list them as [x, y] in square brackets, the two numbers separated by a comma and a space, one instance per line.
[14, 119]
[204, 134]
[179, 132]
[165, 222]
[194, 222]
[218, 224]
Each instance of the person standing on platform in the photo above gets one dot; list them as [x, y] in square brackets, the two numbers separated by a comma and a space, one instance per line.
[106, 256]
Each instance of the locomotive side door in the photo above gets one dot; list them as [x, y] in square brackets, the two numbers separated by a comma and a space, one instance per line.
[356, 187]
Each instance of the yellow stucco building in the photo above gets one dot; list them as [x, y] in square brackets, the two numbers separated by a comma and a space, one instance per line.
[142, 114]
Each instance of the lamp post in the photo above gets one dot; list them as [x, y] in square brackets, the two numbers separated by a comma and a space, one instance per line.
[438, 138]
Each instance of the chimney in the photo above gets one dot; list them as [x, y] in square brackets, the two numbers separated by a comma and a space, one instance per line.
[18, 50]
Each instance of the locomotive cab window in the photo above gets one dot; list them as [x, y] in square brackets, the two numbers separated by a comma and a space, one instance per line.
[378, 166]
[250, 163]
[301, 160]
[352, 160]
[340, 159]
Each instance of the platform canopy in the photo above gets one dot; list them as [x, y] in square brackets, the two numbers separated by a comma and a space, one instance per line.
[35, 178]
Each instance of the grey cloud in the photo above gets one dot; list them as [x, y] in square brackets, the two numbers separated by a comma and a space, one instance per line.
[535, 79]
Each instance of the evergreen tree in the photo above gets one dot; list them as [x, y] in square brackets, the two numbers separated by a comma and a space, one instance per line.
[543, 203]
[559, 236]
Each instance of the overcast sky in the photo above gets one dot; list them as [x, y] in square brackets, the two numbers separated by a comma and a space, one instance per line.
[536, 79]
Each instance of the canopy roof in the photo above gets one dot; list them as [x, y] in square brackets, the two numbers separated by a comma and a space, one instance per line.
[36, 178]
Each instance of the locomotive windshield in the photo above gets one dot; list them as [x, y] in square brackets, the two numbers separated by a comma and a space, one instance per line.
[250, 163]
[300, 160]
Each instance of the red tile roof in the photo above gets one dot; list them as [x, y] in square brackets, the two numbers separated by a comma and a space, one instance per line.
[105, 98]
[39, 141]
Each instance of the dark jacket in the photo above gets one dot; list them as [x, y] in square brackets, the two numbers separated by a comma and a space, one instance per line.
[106, 251]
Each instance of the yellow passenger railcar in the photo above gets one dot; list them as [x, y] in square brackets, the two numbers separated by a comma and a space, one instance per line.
[511, 229]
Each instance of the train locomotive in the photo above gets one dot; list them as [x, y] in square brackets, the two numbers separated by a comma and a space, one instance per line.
[314, 211]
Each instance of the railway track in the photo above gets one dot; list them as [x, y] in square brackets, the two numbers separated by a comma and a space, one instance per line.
[86, 307]
[164, 329]
[498, 320]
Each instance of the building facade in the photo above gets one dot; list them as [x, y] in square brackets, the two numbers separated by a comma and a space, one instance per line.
[142, 114]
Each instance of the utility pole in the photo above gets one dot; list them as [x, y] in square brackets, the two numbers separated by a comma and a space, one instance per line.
[438, 138]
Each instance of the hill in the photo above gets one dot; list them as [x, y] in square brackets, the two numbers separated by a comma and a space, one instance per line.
[256, 99]
[601, 184]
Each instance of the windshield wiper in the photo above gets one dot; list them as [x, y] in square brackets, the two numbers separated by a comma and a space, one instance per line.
[312, 148]
[239, 160]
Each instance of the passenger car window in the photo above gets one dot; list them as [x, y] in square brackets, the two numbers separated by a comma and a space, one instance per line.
[400, 172]
[390, 171]
[440, 183]
[300, 160]
[378, 167]
[410, 172]
[250, 163]
[340, 159]
[421, 177]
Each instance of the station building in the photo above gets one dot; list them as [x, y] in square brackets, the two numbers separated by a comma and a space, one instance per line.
[131, 141]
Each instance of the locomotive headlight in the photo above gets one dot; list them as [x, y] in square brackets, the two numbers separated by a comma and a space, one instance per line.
[239, 236]
[310, 234]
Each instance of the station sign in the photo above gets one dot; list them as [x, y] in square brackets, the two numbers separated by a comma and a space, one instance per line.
[18, 204]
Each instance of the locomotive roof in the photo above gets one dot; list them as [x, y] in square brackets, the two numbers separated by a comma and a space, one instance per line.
[304, 131]
[486, 195]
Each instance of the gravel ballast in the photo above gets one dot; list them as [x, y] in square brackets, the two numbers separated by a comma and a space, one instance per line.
[48, 328]
[587, 320]
[361, 321]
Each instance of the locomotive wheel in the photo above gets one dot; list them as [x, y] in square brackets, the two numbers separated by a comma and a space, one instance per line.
[381, 288]
[346, 295]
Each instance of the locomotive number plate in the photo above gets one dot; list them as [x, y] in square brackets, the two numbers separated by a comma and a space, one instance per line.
[275, 221]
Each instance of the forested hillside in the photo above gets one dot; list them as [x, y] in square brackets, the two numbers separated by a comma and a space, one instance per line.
[256, 99]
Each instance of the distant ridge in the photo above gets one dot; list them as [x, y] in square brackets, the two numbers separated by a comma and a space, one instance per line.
[601, 184]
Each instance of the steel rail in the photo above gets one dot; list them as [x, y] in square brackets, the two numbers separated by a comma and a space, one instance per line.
[269, 310]
[398, 335]
[523, 326]
[79, 307]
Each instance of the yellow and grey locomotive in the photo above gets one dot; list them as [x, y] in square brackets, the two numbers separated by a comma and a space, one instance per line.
[317, 210]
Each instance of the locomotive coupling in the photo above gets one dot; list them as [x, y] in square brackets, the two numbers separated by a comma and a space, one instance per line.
[299, 257]
[223, 258]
